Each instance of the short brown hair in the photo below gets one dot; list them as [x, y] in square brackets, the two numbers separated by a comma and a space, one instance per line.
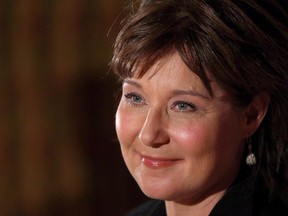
[242, 44]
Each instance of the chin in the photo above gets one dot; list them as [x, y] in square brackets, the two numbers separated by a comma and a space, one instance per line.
[155, 189]
[156, 193]
[170, 190]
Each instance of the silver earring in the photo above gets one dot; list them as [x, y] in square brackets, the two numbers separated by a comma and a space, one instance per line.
[251, 158]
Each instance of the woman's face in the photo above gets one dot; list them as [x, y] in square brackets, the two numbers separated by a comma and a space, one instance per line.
[178, 142]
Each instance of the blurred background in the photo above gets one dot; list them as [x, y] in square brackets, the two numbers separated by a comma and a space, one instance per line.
[58, 149]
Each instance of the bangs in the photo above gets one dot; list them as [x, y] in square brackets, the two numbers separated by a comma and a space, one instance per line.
[133, 60]
[143, 42]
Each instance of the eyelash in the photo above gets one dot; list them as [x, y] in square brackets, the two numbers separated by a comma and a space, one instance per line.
[130, 99]
[190, 106]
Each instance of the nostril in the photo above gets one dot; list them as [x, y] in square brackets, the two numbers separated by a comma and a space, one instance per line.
[153, 132]
[154, 135]
[147, 137]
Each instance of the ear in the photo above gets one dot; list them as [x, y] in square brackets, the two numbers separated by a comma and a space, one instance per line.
[255, 112]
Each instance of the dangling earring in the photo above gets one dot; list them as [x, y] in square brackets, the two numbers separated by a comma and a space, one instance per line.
[251, 158]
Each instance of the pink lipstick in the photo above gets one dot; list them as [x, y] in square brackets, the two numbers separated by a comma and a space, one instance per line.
[157, 162]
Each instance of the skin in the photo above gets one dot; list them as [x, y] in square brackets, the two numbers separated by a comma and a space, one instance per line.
[179, 143]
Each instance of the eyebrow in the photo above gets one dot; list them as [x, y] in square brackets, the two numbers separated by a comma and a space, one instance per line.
[174, 92]
[131, 82]
[190, 92]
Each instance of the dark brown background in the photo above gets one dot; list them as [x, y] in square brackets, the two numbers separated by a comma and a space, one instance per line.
[58, 150]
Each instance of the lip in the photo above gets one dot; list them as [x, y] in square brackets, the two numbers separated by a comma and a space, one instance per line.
[154, 162]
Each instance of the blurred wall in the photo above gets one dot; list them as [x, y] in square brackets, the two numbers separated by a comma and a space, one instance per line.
[58, 149]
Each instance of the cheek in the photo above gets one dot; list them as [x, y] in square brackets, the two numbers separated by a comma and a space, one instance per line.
[126, 126]
[192, 137]
[207, 141]
[121, 121]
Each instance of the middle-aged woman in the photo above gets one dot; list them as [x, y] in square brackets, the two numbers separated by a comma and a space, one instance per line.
[203, 121]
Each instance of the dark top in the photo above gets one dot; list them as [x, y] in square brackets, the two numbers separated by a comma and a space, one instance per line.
[243, 199]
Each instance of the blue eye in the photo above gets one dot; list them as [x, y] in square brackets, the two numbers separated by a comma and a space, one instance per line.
[182, 106]
[134, 98]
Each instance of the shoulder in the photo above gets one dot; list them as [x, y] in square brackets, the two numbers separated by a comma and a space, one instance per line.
[270, 206]
[247, 198]
[151, 208]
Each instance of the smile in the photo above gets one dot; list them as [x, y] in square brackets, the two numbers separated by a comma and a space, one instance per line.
[153, 162]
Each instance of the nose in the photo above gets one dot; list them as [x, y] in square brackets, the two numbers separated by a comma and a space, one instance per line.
[154, 132]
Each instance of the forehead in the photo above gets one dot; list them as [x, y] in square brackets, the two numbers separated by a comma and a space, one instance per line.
[172, 73]
[171, 69]
[168, 66]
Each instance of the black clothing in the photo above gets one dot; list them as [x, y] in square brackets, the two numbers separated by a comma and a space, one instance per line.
[243, 199]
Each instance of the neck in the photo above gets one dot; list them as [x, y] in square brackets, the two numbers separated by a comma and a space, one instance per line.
[202, 208]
